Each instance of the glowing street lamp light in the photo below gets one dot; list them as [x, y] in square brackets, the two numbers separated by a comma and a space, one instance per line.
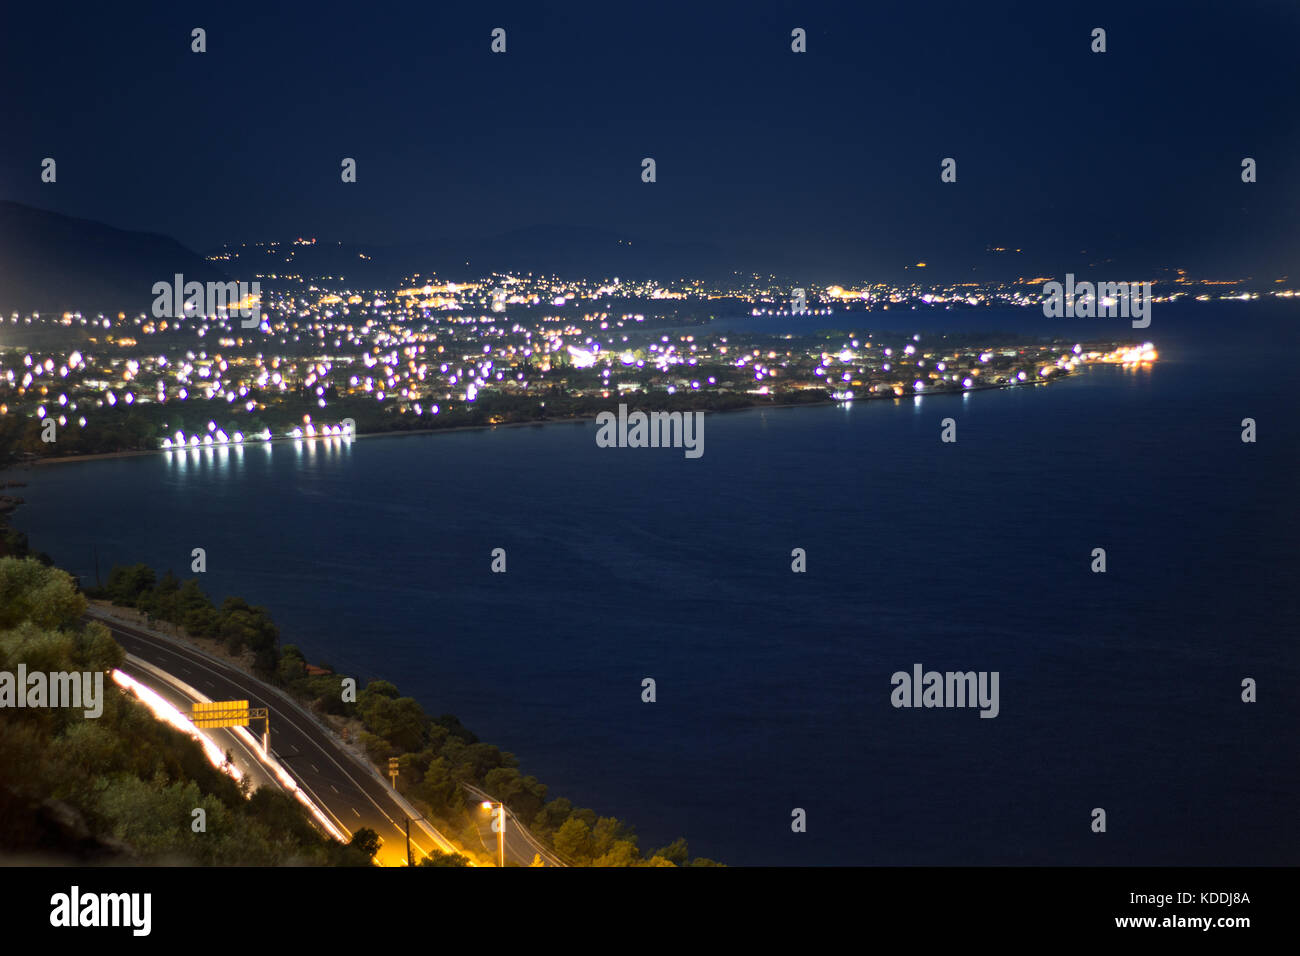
[498, 824]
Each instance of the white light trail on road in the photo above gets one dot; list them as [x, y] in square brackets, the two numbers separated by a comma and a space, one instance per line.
[168, 714]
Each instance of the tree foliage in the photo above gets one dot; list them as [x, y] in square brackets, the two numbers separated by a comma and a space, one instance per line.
[122, 786]
[437, 755]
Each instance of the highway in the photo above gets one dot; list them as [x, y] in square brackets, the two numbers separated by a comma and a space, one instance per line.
[521, 845]
[351, 794]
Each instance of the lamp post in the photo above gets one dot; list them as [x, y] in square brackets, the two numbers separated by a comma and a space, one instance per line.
[498, 824]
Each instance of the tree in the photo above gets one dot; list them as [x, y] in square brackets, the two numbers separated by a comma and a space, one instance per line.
[400, 721]
[675, 852]
[484, 757]
[438, 858]
[128, 583]
[454, 727]
[621, 853]
[264, 662]
[98, 648]
[244, 626]
[292, 666]
[524, 795]
[573, 840]
[382, 688]
[200, 622]
[439, 789]
[194, 611]
[30, 591]
[552, 816]
[367, 841]
[192, 598]
[607, 832]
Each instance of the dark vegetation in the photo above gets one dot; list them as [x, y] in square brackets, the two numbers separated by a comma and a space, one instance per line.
[436, 755]
[122, 786]
[234, 623]
[143, 426]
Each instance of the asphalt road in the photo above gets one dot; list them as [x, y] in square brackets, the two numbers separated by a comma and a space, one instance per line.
[521, 845]
[350, 795]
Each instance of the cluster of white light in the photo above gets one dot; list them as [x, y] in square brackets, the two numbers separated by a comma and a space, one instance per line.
[215, 436]
[325, 431]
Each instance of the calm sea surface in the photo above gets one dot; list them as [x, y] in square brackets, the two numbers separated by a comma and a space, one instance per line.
[1117, 690]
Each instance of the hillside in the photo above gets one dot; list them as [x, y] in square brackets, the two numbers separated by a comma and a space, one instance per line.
[119, 787]
[54, 263]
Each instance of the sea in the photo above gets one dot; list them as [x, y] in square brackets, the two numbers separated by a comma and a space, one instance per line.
[1119, 691]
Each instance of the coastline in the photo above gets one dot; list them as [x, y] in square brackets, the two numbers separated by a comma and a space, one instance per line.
[572, 420]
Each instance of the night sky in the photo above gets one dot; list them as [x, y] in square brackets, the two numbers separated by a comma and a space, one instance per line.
[827, 161]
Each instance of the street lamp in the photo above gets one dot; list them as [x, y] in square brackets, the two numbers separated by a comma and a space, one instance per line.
[498, 824]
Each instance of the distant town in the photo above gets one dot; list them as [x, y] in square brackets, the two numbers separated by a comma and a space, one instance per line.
[318, 358]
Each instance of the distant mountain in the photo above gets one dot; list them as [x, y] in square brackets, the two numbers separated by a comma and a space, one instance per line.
[55, 263]
[50, 262]
[570, 251]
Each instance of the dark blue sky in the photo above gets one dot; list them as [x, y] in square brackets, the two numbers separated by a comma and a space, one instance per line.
[829, 159]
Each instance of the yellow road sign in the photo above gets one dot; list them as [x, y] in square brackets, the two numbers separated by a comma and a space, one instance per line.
[221, 713]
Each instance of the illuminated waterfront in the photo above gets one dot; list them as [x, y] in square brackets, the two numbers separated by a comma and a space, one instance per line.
[374, 556]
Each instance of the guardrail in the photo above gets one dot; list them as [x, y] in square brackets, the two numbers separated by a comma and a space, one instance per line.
[358, 759]
[549, 857]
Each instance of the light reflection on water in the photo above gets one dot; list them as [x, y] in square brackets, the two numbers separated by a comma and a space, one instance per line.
[774, 686]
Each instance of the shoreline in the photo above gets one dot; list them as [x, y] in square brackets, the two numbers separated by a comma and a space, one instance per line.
[394, 433]
[573, 420]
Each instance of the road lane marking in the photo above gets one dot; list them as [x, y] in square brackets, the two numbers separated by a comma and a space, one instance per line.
[185, 691]
[236, 678]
